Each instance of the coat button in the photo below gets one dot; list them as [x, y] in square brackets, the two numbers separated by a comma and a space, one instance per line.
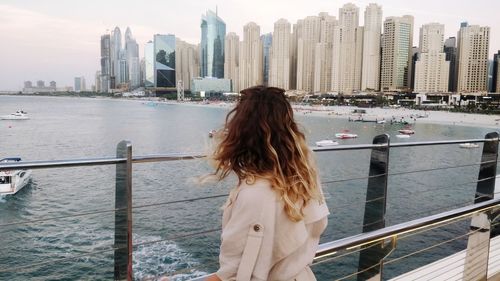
[257, 228]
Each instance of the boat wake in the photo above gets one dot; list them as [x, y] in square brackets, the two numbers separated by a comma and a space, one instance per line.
[165, 258]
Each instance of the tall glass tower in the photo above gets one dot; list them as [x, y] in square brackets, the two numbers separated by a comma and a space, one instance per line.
[164, 56]
[213, 33]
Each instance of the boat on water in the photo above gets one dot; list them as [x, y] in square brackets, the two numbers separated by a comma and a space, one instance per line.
[401, 136]
[18, 115]
[212, 133]
[469, 145]
[323, 143]
[406, 131]
[345, 135]
[11, 181]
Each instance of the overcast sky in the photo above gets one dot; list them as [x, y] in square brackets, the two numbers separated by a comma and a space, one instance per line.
[59, 39]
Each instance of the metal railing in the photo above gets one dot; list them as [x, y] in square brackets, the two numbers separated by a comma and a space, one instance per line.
[371, 243]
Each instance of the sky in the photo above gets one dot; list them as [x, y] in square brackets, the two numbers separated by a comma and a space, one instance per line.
[59, 39]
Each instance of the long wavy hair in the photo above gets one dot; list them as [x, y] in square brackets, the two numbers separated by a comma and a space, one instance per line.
[261, 140]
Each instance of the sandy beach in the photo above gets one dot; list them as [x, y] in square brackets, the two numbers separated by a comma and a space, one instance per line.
[388, 114]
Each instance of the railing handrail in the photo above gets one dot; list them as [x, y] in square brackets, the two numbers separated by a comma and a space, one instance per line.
[185, 156]
[361, 239]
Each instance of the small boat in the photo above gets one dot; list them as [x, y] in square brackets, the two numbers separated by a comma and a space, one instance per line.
[345, 135]
[11, 181]
[212, 133]
[381, 121]
[406, 131]
[402, 136]
[18, 115]
[469, 145]
[326, 143]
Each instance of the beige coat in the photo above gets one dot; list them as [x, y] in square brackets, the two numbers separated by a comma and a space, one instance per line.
[259, 241]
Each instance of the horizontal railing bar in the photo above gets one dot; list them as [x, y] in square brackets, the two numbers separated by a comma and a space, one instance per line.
[329, 248]
[183, 156]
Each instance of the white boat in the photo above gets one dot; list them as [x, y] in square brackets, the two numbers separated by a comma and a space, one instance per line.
[406, 131]
[345, 135]
[326, 143]
[18, 115]
[381, 121]
[11, 181]
[469, 145]
[402, 136]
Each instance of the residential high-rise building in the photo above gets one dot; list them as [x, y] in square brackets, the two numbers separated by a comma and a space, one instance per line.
[115, 51]
[432, 69]
[473, 47]
[267, 40]
[370, 76]
[250, 59]
[80, 84]
[307, 32]
[450, 49]
[28, 84]
[105, 63]
[323, 54]
[40, 84]
[231, 60]
[281, 55]
[149, 64]
[186, 63]
[397, 42]
[347, 51]
[496, 73]
[164, 61]
[132, 58]
[213, 33]
[97, 81]
[415, 53]
[53, 84]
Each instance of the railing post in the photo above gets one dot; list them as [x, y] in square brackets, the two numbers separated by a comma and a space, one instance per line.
[123, 217]
[374, 216]
[478, 245]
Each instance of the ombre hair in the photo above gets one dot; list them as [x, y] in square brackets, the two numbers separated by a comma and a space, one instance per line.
[261, 140]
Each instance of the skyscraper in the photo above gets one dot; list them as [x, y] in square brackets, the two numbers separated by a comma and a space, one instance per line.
[450, 49]
[213, 33]
[149, 64]
[473, 47]
[105, 63]
[132, 58]
[164, 61]
[370, 76]
[347, 51]
[397, 42]
[231, 59]
[115, 50]
[323, 54]
[431, 69]
[267, 40]
[281, 55]
[496, 73]
[186, 63]
[307, 33]
[250, 59]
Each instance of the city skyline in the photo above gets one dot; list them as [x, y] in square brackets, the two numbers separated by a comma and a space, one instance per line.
[67, 35]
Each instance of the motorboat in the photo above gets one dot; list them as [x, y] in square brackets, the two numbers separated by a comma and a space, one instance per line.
[381, 121]
[402, 136]
[345, 135]
[406, 131]
[11, 181]
[469, 145]
[18, 115]
[326, 143]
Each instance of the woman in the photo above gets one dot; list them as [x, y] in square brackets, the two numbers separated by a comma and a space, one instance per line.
[273, 219]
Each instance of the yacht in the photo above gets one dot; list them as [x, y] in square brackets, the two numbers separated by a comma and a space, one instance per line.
[406, 131]
[326, 143]
[11, 181]
[345, 135]
[18, 115]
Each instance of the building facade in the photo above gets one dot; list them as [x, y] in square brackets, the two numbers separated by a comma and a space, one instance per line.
[164, 61]
[450, 49]
[186, 63]
[281, 55]
[267, 40]
[231, 59]
[431, 69]
[105, 63]
[149, 64]
[307, 33]
[397, 42]
[213, 33]
[495, 75]
[250, 57]
[472, 65]
[370, 76]
[347, 51]
[323, 54]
